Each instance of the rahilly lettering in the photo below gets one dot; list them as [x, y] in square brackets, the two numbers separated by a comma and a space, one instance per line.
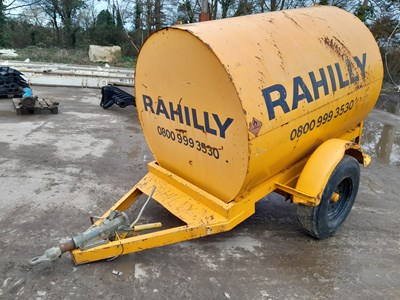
[323, 82]
[203, 121]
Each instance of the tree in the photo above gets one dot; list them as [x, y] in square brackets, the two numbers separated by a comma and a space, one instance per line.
[226, 5]
[105, 19]
[67, 10]
[244, 8]
[73, 22]
[50, 7]
[188, 11]
[158, 14]
[153, 17]
[105, 32]
[138, 15]
[119, 22]
[2, 24]
[364, 13]
[64, 10]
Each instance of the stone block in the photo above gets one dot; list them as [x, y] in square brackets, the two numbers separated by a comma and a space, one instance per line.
[104, 53]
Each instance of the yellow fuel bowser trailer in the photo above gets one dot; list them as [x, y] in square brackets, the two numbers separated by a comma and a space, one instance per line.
[235, 109]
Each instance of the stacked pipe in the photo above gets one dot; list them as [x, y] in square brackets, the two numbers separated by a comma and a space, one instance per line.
[10, 81]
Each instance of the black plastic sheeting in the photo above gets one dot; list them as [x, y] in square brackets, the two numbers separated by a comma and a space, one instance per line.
[10, 80]
[112, 95]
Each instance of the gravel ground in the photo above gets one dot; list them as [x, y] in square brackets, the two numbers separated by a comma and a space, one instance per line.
[57, 170]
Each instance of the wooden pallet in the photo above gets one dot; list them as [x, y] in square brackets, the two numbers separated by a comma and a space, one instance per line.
[42, 106]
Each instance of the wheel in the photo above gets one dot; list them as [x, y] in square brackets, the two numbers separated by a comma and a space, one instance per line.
[324, 220]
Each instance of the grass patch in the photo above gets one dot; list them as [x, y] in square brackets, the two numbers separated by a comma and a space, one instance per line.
[67, 56]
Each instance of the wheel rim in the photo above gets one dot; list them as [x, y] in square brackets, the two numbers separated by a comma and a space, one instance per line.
[336, 209]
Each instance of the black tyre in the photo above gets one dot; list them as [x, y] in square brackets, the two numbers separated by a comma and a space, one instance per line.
[324, 220]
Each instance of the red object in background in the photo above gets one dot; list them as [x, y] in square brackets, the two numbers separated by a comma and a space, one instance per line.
[204, 17]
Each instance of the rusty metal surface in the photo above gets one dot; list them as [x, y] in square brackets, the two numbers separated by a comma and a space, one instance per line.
[282, 83]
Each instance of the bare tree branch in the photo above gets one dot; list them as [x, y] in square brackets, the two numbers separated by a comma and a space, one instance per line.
[126, 32]
[7, 8]
[8, 5]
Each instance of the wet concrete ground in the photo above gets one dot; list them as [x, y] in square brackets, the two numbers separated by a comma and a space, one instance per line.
[56, 170]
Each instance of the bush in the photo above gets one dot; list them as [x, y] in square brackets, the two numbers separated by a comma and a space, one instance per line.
[392, 65]
[78, 56]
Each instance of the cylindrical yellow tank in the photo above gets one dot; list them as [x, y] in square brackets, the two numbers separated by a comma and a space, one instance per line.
[227, 104]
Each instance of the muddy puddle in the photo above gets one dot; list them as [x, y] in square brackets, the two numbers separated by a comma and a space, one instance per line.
[381, 136]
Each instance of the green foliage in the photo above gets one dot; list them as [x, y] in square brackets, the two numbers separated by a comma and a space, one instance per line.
[364, 13]
[119, 23]
[392, 64]
[138, 15]
[108, 30]
[75, 24]
[244, 8]
[105, 19]
[186, 12]
[20, 34]
[382, 27]
[54, 54]
[66, 56]
[3, 35]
